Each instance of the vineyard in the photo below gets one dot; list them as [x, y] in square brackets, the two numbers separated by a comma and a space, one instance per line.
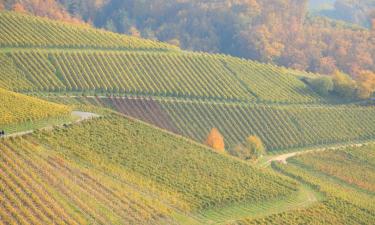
[202, 177]
[164, 74]
[16, 108]
[271, 83]
[359, 164]
[334, 174]
[85, 60]
[279, 127]
[37, 186]
[24, 31]
[116, 169]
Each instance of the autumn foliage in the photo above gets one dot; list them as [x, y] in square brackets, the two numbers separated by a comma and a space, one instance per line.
[365, 83]
[45, 8]
[252, 149]
[215, 140]
[18, 7]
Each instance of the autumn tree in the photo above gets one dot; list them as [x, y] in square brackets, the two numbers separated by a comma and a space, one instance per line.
[133, 31]
[2, 7]
[215, 140]
[252, 149]
[18, 7]
[343, 85]
[255, 144]
[365, 80]
[45, 8]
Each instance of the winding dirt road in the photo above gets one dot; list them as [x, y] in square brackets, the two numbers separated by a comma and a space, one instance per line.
[284, 157]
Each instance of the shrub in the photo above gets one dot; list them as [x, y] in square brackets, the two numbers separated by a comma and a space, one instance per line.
[322, 85]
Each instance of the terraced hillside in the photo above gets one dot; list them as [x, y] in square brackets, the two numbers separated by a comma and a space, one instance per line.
[25, 31]
[345, 177]
[18, 109]
[195, 91]
[280, 127]
[139, 175]
[114, 169]
[173, 74]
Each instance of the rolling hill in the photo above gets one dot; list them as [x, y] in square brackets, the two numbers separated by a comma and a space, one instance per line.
[138, 175]
[140, 161]
[187, 93]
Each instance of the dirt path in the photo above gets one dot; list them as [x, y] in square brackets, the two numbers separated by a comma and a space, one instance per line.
[284, 157]
[82, 116]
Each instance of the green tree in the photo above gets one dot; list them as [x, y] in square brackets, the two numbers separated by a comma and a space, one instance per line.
[322, 85]
[343, 84]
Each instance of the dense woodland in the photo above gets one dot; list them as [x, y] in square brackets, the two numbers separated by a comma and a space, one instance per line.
[274, 31]
[353, 11]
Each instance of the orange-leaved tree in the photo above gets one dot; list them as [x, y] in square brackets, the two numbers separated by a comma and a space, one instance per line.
[18, 7]
[256, 145]
[215, 140]
[366, 83]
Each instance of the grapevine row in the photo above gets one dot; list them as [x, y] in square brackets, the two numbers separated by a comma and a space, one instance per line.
[19, 30]
[17, 108]
[34, 176]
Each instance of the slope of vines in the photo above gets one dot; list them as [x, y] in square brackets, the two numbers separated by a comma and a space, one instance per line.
[20, 30]
[279, 127]
[282, 127]
[18, 108]
[342, 176]
[11, 77]
[270, 83]
[164, 74]
[39, 186]
[201, 177]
